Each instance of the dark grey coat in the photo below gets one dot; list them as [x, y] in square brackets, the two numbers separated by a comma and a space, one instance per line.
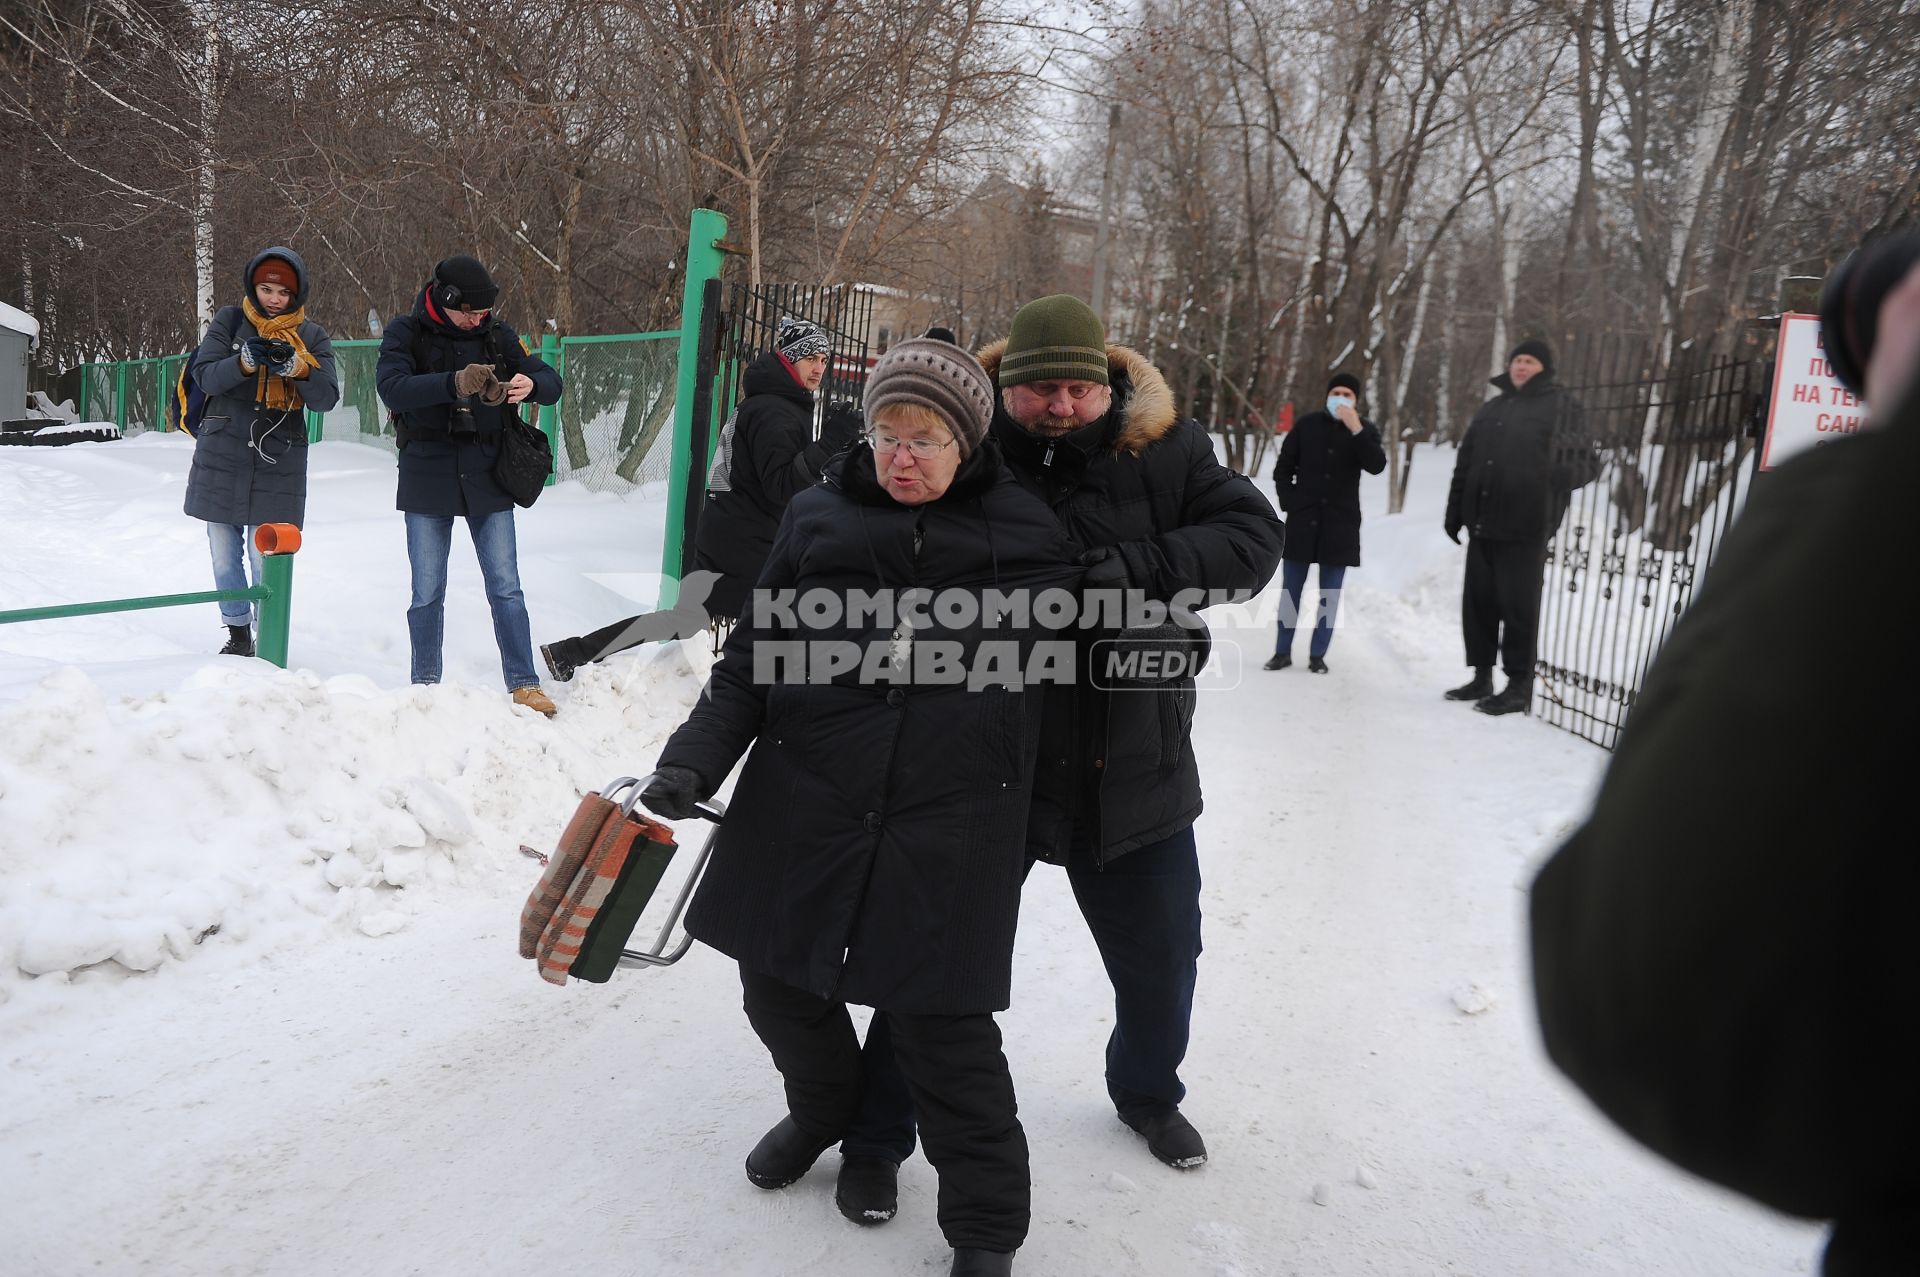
[249, 461]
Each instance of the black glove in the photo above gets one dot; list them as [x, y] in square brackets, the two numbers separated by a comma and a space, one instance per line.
[1453, 533]
[253, 353]
[672, 792]
[840, 428]
[1106, 569]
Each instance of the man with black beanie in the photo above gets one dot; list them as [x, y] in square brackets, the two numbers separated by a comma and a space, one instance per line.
[453, 373]
[1525, 452]
[1317, 479]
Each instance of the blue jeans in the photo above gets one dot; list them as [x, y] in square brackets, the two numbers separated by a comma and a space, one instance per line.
[228, 540]
[429, 541]
[1293, 584]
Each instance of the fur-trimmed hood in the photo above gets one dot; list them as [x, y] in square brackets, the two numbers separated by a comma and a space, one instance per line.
[1146, 408]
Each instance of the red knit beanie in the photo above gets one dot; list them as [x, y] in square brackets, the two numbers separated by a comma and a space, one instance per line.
[275, 270]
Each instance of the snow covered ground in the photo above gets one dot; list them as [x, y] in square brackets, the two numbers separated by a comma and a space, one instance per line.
[260, 1011]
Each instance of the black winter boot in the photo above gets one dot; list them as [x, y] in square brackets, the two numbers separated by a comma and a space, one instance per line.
[1513, 699]
[969, 1262]
[784, 1154]
[1171, 1138]
[561, 660]
[1278, 661]
[868, 1190]
[1479, 689]
[239, 641]
[1316, 664]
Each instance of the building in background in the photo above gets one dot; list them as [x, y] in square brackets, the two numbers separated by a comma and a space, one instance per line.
[19, 334]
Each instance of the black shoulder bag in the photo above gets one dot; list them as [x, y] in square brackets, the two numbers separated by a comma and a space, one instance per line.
[526, 454]
[525, 459]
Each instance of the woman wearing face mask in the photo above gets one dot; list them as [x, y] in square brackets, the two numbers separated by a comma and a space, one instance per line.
[875, 845]
[261, 365]
[1318, 480]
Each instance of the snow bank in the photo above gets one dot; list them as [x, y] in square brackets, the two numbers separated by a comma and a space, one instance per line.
[251, 801]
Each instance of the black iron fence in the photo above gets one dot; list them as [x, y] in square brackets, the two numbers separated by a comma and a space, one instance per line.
[1623, 563]
[754, 315]
[733, 336]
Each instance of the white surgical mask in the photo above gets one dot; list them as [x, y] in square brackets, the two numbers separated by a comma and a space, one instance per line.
[1335, 403]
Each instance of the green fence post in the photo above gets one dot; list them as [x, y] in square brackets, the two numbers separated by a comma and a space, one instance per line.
[160, 395]
[705, 230]
[86, 392]
[276, 610]
[549, 416]
[120, 394]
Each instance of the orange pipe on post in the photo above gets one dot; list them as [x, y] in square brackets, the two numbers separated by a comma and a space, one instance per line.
[276, 538]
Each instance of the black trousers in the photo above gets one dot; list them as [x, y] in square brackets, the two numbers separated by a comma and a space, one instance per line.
[648, 627]
[962, 1095]
[1144, 912]
[1500, 606]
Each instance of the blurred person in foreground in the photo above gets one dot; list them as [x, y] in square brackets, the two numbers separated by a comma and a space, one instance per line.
[1724, 954]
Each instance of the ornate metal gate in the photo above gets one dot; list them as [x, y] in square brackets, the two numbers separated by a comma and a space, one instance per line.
[1623, 563]
[753, 317]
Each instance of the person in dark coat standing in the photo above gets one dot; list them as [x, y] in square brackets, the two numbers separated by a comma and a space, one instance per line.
[261, 365]
[1723, 954]
[1318, 481]
[452, 372]
[874, 848]
[1525, 452]
[766, 456]
[1091, 429]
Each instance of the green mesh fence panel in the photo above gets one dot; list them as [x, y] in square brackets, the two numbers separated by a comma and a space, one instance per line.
[144, 404]
[98, 405]
[616, 418]
[359, 417]
[614, 426]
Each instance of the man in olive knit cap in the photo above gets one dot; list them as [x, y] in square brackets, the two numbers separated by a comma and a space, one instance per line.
[1092, 430]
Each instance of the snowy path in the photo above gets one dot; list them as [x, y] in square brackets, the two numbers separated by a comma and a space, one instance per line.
[313, 1100]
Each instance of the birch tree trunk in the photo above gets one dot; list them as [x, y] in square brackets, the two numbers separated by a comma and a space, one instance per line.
[207, 88]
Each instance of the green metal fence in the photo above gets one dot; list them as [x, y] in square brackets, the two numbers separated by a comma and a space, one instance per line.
[612, 430]
[273, 596]
[634, 410]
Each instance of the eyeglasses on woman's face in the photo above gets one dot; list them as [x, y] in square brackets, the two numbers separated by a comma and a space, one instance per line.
[884, 443]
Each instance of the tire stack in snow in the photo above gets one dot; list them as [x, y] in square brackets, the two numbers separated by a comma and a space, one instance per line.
[38, 432]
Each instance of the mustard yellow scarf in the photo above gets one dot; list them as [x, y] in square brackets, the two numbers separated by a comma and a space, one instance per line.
[270, 388]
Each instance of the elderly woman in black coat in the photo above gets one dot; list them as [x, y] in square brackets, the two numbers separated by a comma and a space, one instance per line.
[261, 365]
[1318, 480]
[874, 849]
